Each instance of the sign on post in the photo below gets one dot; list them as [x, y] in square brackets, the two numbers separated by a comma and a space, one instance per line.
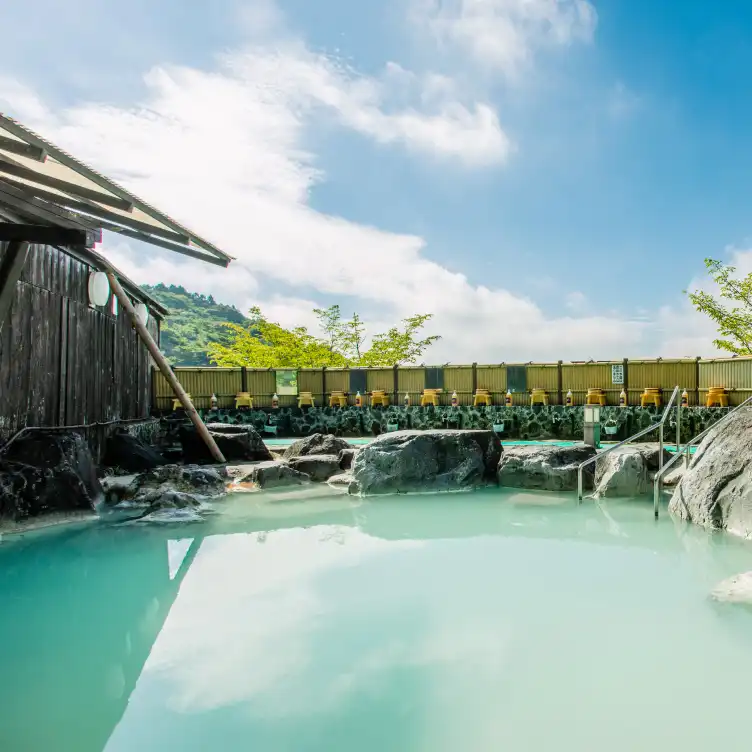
[617, 374]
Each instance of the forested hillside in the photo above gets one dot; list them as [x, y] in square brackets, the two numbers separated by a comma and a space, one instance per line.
[195, 320]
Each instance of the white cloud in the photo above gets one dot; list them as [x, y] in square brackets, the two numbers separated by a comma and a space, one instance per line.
[505, 34]
[223, 152]
[575, 301]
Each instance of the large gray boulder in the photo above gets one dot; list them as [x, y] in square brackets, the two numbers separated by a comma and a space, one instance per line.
[545, 467]
[131, 454]
[167, 486]
[319, 467]
[628, 471]
[43, 472]
[716, 489]
[273, 475]
[238, 443]
[406, 461]
[316, 443]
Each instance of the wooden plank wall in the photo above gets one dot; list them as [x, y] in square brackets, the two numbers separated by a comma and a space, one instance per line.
[694, 375]
[63, 362]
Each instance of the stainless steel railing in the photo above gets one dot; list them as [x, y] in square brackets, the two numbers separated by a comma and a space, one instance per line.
[658, 425]
[685, 453]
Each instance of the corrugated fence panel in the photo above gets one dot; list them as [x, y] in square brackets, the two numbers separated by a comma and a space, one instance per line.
[734, 374]
[459, 379]
[544, 376]
[411, 380]
[381, 378]
[261, 384]
[579, 377]
[662, 374]
[200, 383]
[310, 380]
[493, 378]
[337, 380]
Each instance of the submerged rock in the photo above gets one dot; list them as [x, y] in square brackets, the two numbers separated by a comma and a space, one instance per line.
[317, 443]
[319, 467]
[237, 444]
[341, 480]
[736, 589]
[628, 471]
[130, 453]
[545, 467]
[426, 461]
[716, 489]
[47, 471]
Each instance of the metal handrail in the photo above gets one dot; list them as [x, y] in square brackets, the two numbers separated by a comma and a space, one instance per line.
[685, 453]
[650, 429]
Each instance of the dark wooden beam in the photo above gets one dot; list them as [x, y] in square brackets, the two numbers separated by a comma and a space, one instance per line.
[48, 234]
[11, 267]
[23, 149]
[185, 250]
[63, 185]
[96, 212]
[40, 211]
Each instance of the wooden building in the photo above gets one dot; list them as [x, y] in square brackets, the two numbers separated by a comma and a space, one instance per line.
[68, 354]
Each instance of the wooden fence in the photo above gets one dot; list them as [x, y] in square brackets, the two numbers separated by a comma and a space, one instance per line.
[696, 375]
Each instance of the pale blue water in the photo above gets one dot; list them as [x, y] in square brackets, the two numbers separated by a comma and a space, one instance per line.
[480, 621]
[363, 441]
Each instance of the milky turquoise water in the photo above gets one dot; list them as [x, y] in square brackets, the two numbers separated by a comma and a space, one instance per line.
[480, 621]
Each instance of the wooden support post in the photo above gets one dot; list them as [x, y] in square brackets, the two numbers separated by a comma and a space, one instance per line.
[626, 378]
[243, 379]
[164, 367]
[475, 383]
[324, 402]
[697, 380]
[11, 268]
[559, 384]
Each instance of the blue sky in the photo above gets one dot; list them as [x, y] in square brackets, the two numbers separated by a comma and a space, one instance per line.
[545, 176]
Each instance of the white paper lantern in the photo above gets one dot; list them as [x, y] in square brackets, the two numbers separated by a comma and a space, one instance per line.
[99, 289]
[143, 313]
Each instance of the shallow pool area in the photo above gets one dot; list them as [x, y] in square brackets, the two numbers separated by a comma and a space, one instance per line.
[360, 442]
[312, 621]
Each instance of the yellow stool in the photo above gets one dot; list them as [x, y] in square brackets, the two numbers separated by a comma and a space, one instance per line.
[243, 399]
[717, 396]
[379, 397]
[306, 399]
[337, 399]
[482, 397]
[177, 405]
[538, 397]
[596, 397]
[430, 397]
[651, 396]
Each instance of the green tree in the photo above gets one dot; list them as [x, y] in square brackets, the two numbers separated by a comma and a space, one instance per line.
[265, 344]
[400, 345]
[734, 320]
[345, 337]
